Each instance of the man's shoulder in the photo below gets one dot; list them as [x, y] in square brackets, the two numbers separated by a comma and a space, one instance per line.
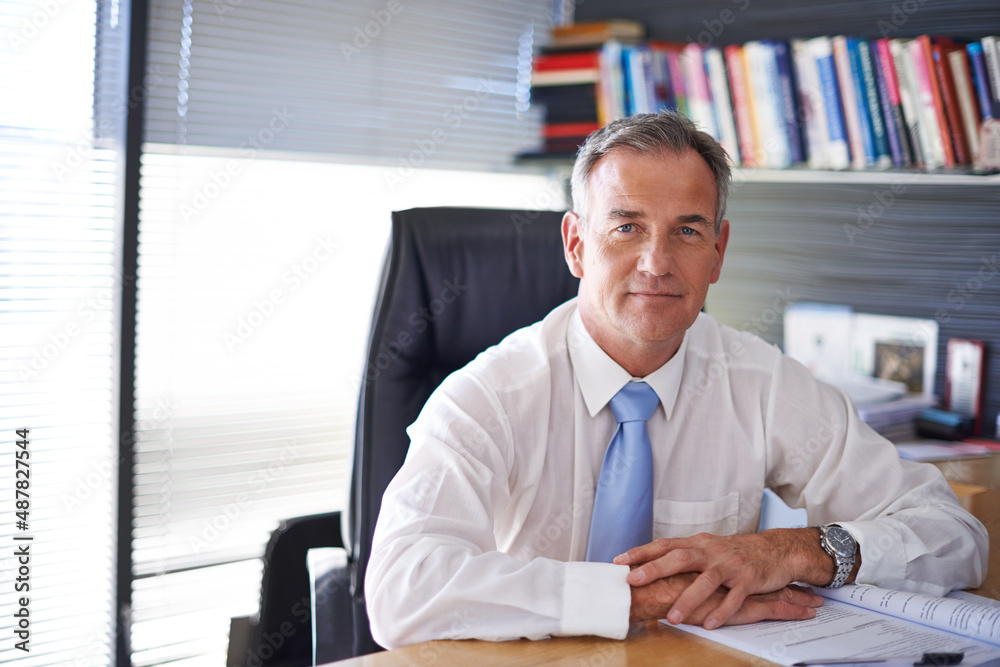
[712, 339]
[528, 354]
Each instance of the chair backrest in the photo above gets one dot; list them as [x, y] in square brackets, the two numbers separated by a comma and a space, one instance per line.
[455, 282]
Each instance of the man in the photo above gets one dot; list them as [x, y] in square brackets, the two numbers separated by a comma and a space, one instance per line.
[508, 495]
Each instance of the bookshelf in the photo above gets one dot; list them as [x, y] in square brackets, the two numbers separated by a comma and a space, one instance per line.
[801, 234]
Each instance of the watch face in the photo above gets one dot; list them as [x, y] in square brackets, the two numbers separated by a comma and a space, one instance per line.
[841, 541]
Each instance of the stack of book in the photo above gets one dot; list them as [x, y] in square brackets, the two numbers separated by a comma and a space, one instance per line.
[578, 79]
[827, 102]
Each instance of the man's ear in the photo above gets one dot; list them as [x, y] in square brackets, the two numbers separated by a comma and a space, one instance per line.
[572, 233]
[721, 241]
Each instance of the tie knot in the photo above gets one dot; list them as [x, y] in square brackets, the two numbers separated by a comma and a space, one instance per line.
[636, 402]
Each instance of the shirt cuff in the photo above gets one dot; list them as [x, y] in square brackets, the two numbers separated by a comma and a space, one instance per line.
[883, 558]
[596, 600]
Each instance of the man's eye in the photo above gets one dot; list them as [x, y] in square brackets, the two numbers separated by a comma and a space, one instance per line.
[688, 231]
[626, 228]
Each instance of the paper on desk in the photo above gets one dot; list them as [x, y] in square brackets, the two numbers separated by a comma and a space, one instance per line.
[968, 615]
[940, 450]
[841, 630]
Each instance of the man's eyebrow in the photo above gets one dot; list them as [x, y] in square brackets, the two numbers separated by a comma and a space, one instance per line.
[620, 213]
[695, 219]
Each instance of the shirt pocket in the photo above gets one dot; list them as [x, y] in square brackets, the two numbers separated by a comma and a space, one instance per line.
[683, 518]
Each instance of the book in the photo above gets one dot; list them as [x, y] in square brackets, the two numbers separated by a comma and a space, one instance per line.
[811, 104]
[919, 140]
[968, 106]
[932, 99]
[866, 621]
[838, 148]
[896, 129]
[849, 97]
[722, 103]
[980, 78]
[700, 108]
[787, 103]
[595, 33]
[949, 98]
[735, 69]
[991, 54]
[611, 101]
[637, 65]
[861, 51]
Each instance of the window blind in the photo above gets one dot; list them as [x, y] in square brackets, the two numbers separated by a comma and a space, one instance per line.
[274, 153]
[59, 248]
[427, 84]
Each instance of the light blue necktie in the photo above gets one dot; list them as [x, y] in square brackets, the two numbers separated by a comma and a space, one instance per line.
[623, 504]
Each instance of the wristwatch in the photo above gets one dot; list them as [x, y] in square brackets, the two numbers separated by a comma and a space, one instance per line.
[842, 548]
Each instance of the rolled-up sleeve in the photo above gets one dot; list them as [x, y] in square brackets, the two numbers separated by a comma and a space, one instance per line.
[911, 531]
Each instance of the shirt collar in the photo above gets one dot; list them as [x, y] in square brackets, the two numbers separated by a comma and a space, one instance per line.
[600, 377]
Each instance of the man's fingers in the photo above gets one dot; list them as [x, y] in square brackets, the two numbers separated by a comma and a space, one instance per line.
[787, 604]
[673, 562]
[644, 553]
[692, 598]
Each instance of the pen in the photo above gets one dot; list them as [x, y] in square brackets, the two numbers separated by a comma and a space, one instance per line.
[927, 659]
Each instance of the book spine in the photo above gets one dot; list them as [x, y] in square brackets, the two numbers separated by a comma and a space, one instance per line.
[760, 150]
[950, 102]
[700, 97]
[924, 60]
[855, 140]
[679, 85]
[919, 140]
[861, 100]
[992, 56]
[935, 155]
[879, 133]
[981, 79]
[958, 62]
[885, 111]
[741, 103]
[811, 104]
[716, 67]
[788, 103]
[836, 126]
[894, 116]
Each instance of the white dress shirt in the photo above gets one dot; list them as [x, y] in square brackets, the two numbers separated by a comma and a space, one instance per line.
[483, 530]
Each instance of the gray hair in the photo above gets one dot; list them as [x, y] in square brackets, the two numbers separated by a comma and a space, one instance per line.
[648, 133]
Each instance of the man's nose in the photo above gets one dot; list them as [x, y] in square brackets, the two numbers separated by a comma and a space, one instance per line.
[656, 257]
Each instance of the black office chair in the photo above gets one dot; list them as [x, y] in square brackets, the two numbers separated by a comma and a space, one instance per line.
[455, 282]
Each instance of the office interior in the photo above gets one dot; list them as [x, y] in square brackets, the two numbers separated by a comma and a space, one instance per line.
[197, 204]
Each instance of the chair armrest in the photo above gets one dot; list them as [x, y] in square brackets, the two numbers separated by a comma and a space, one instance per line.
[282, 635]
[332, 610]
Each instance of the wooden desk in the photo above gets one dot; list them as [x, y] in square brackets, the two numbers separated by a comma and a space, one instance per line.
[651, 643]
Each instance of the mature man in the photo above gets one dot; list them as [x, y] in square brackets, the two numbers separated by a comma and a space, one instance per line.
[511, 495]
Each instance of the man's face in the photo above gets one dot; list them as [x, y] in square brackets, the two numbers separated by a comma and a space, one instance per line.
[646, 254]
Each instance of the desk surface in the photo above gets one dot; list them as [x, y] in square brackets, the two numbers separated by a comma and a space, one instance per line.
[654, 643]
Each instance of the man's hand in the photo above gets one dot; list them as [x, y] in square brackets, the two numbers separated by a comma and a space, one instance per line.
[738, 565]
[791, 603]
